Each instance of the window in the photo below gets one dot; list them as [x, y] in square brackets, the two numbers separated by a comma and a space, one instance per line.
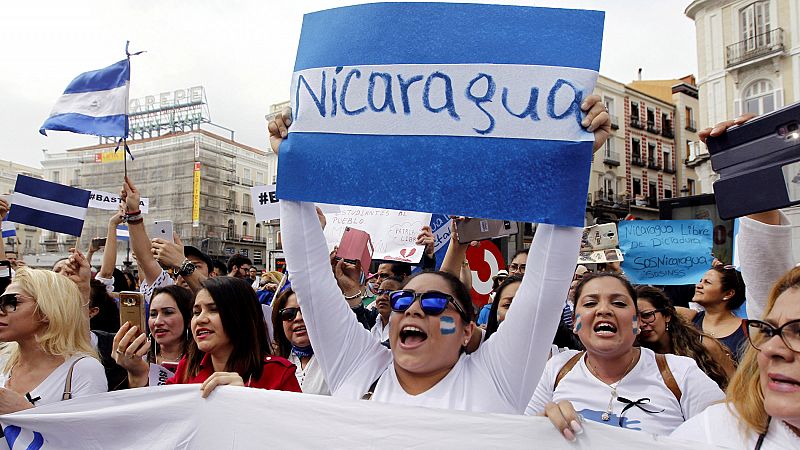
[652, 189]
[690, 125]
[246, 201]
[667, 193]
[231, 229]
[247, 173]
[634, 110]
[759, 97]
[245, 229]
[688, 150]
[610, 149]
[260, 177]
[651, 117]
[636, 149]
[56, 176]
[690, 185]
[637, 186]
[754, 25]
[609, 102]
[258, 231]
[667, 155]
[652, 157]
[609, 186]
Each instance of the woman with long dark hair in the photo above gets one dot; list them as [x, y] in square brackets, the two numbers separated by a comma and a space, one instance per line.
[664, 331]
[229, 346]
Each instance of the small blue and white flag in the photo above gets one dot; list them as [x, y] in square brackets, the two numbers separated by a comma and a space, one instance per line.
[122, 233]
[48, 205]
[9, 228]
[94, 103]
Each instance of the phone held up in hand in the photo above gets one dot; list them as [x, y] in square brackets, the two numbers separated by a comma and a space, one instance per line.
[132, 309]
[162, 229]
[5, 275]
[472, 229]
[355, 246]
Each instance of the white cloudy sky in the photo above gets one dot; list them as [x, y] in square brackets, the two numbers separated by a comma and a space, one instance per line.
[242, 51]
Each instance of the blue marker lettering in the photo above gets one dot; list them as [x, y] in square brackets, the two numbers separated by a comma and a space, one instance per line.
[448, 95]
[530, 110]
[447, 325]
[319, 101]
[404, 85]
[574, 107]
[333, 92]
[487, 97]
[343, 97]
[388, 101]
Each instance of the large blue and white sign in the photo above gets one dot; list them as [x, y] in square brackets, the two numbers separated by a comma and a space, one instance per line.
[666, 251]
[450, 108]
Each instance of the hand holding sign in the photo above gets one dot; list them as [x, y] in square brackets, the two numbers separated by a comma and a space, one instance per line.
[279, 129]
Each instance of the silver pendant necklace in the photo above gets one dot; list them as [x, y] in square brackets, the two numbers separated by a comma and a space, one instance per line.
[606, 416]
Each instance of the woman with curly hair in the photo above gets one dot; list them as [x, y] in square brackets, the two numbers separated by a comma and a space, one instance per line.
[664, 331]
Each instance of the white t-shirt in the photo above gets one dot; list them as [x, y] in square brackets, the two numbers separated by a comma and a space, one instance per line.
[590, 396]
[310, 378]
[88, 377]
[379, 331]
[718, 425]
[162, 280]
[499, 377]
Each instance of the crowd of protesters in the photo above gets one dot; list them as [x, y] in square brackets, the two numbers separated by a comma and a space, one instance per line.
[556, 340]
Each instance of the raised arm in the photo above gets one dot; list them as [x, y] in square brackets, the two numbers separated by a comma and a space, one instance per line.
[140, 243]
[110, 253]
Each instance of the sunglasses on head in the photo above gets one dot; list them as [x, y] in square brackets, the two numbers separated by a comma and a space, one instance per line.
[8, 303]
[432, 302]
[288, 314]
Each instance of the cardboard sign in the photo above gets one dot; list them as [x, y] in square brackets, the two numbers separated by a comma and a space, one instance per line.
[110, 202]
[265, 203]
[666, 251]
[393, 233]
[494, 93]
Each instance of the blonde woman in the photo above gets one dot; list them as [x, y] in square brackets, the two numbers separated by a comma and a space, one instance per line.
[49, 357]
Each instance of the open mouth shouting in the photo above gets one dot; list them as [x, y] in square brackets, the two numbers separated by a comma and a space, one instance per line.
[202, 334]
[299, 330]
[411, 337]
[604, 329]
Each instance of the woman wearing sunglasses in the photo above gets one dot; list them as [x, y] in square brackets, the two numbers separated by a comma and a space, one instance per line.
[49, 356]
[229, 345]
[662, 330]
[291, 342]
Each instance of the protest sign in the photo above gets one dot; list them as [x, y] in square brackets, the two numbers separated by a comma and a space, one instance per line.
[265, 203]
[393, 233]
[600, 256]
[484, 100]
[665, 251]
[599, 237]
[169, 417]
[110, 202]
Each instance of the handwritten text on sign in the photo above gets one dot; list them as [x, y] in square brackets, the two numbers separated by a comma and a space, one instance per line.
[666, 251]
[492, 100]
[393, 233]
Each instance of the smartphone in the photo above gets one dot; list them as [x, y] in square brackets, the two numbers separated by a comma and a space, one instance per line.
[472, 229]
[5, 275]
[758, 164]
[356, 246]
[171, 366]
[132, 309]
[98, 242]
[162, 229]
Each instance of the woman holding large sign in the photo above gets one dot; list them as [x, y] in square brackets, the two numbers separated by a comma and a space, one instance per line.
[432, 319]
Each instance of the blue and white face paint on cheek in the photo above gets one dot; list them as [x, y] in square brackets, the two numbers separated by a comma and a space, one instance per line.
[635, 324]
[576, 326]
[447, 325]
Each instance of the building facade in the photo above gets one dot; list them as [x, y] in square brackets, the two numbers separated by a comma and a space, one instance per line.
[748, 55]
[26, 242]
[219, 219]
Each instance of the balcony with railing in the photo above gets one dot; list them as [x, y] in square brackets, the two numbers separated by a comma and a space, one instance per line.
[611, 158]
[247, 209]
[653, 163]
[762, 45]
[636, 123]
[247, 182]
[232, 179]
[608, 197]
[669, 167]
[614, 122]
[636, 160]
[652, 128]
[230, 207]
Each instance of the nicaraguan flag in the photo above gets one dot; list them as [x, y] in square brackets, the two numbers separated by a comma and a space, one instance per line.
[122, 233]
[47, 205]
[9, 229]
[483, 120]
[94, 103]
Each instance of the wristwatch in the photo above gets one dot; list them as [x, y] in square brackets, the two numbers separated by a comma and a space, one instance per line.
[187, 268]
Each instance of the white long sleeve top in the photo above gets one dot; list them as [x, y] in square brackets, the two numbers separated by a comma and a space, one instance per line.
[499, 377]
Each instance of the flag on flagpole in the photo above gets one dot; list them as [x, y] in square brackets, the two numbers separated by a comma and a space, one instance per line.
[9, 228]
[122, 233]
[94, 103]
[47, 205]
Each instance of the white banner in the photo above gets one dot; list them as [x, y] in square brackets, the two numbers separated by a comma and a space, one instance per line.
[393, 232]
[110, 202]
[169, 417]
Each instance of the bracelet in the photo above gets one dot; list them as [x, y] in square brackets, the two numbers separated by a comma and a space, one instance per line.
[133, 213]
[354, 296]
[134, 218]
[135, 221]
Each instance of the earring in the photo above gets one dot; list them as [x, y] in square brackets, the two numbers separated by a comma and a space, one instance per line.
[667, 326]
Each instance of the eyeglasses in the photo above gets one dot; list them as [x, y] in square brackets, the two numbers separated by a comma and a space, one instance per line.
[649, 316]
[758, 333]
[514, 267]
[288, 314]
[431, 302]
[8, 303]
[380, 292]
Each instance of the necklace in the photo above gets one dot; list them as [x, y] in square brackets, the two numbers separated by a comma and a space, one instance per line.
[606, 416]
